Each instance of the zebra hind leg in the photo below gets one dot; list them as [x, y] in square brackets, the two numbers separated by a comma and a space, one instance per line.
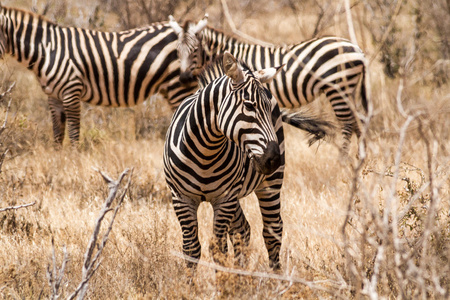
[347, 132]
[72, 108]
[58, 119]
[345, 115]
[357, 131]
[240, 236]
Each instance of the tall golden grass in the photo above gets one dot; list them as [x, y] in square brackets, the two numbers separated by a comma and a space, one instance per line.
[367, 227]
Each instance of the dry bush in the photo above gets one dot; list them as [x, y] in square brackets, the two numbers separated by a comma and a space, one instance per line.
[412, 36]
[135, 13]
[7, 105]
[396, 230]
[372, 227]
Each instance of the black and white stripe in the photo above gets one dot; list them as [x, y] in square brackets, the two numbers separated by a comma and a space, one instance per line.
[225, 142]
[329, 65]
[102, 68]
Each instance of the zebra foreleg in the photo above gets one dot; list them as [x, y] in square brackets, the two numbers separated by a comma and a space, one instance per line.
[269, 204]
[223, 215]
[186, 211]
[240, 235]
[58, 119]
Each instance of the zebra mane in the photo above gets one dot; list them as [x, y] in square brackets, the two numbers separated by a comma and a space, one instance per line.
[30, 13]
[188, 42]
[43, 18]
[214, 69]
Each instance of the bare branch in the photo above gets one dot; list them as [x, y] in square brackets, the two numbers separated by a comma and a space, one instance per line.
[8, 107]
[2, 159]
[387, 32]
[91, 263]
[351, 28]
[238, 32]
[16, 207]
[55, 276]
[8, 90]
[318, 285]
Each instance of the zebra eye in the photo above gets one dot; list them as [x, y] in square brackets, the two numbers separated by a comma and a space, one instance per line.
[249, 105]
[246, 96]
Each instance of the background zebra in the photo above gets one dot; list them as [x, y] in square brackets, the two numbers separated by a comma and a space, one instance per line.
[225, 142]
[329, 65]
[102, 68]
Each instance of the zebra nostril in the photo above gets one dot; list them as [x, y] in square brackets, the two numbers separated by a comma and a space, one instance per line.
[273, 149]
[270, 161]
[186, 77]
[273, 156]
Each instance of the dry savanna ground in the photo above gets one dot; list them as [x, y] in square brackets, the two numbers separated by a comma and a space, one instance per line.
[367, 227]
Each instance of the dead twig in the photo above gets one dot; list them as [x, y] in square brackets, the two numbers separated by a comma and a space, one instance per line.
[238, 32]
[387, 32]
[2, 159]
[55, 275]
[92, 261]
[351, 28]
[16, 207]
[8, 91]
[322, 285]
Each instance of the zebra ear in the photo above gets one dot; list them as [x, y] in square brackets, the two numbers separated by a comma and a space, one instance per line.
[266, 75]
[232, 68]
[201, 24]
[174, 24]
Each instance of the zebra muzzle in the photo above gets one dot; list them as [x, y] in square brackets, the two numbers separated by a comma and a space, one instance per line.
[269, 161]
[186, 77]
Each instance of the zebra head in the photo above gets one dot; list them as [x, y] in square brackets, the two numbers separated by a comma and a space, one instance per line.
[246, 116]
[188, 47]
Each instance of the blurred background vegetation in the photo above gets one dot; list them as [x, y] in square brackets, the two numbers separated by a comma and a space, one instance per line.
[406, 40]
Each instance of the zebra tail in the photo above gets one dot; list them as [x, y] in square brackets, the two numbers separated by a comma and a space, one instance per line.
[365, 91]
[304, 120]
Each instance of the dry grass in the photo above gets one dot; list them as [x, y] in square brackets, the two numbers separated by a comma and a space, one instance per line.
[381, 254]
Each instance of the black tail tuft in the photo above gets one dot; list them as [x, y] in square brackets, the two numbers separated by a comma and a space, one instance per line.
[364, 95]
[318, 128]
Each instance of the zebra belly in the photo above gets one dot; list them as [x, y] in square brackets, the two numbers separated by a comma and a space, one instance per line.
[213, 187]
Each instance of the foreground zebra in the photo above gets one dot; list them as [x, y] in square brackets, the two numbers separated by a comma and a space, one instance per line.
[329, 65]
[102, 68]
[225, 142]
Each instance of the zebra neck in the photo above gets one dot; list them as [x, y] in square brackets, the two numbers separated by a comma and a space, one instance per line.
[202, 122]
[28, 35]
[255, 56]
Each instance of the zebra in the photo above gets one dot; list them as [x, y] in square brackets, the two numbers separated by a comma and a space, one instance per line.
[330, 65]
[225, 142]
[117, 69]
